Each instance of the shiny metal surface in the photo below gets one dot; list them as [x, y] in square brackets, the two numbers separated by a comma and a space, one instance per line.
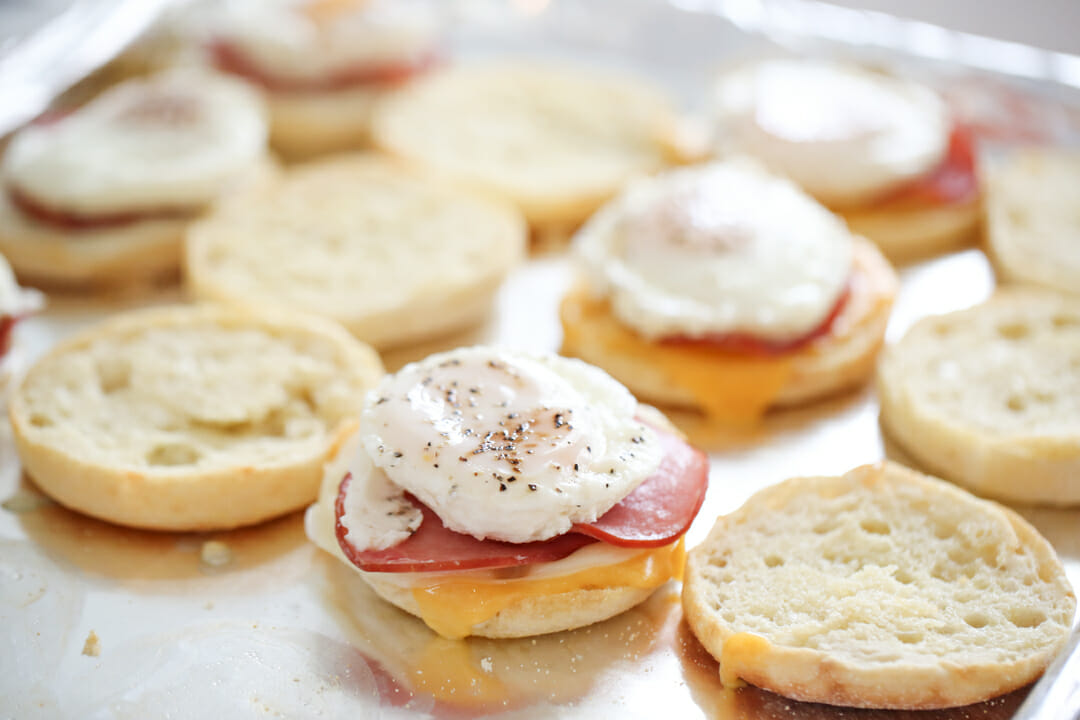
[48, 45]
[1057, 693]
[282, 630]
[98, 621]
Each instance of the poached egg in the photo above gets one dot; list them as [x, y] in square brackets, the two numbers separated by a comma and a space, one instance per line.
[501, 445]
[169, 142]
[846, 135]
[714, 250]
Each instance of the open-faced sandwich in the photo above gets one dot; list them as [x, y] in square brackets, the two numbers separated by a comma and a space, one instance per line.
[323, 64]
[884, 152]
[726, 289]
[504, 494]
[102, 195]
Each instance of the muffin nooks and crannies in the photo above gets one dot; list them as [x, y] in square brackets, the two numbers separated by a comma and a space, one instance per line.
[504, 494]
[190, 418]
[322, 66]
[882, 588]
[393, 256]
[1032, 229]
[555, 142]
[727, 289]
[103, 195]
[882, 151]
[989, 397]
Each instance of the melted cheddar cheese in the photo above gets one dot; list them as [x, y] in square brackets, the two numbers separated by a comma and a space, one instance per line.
[741, 650]
[451, 607]
[731, 388]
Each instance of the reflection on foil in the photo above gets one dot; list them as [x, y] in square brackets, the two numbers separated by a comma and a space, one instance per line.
[261, 557]
[465, 678]
[226, 670]
[40, 606]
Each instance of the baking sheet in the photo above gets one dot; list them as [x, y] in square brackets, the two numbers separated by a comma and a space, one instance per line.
[272, 627]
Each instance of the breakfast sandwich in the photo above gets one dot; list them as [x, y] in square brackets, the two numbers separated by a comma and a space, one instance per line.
[882, 151]
[102, 195]
[322, 64]
[505, 494]
[726, 289]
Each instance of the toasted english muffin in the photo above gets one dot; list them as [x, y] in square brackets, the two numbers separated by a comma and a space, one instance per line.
[190, 418]
[881, 588]
[148, 250]
[555, 142]
[990, 396]
[1032, 229]
[304, 125]
[910, 233]
[393, 256]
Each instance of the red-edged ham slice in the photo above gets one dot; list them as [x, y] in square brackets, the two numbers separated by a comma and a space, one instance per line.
[954, 181]
[7, 322]
[656, 513]
[661, 508]
[748, 344]
[64, 220]
[228, 58]
[434, 547]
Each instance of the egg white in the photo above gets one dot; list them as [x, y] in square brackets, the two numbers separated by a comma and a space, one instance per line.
[717, 249]
[506, 445]
[844, 134]
[111, 156]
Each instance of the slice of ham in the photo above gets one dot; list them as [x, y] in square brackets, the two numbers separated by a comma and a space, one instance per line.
[660, 509]
[953, 182]
[72, 221]
[656, 513]
[434, 547]
[7, 322]
[749, 344]
[231, 59]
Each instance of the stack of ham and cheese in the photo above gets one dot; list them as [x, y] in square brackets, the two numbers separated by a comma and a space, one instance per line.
[104, 194]
[883, 152]
[505, 494]
[726, 289]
